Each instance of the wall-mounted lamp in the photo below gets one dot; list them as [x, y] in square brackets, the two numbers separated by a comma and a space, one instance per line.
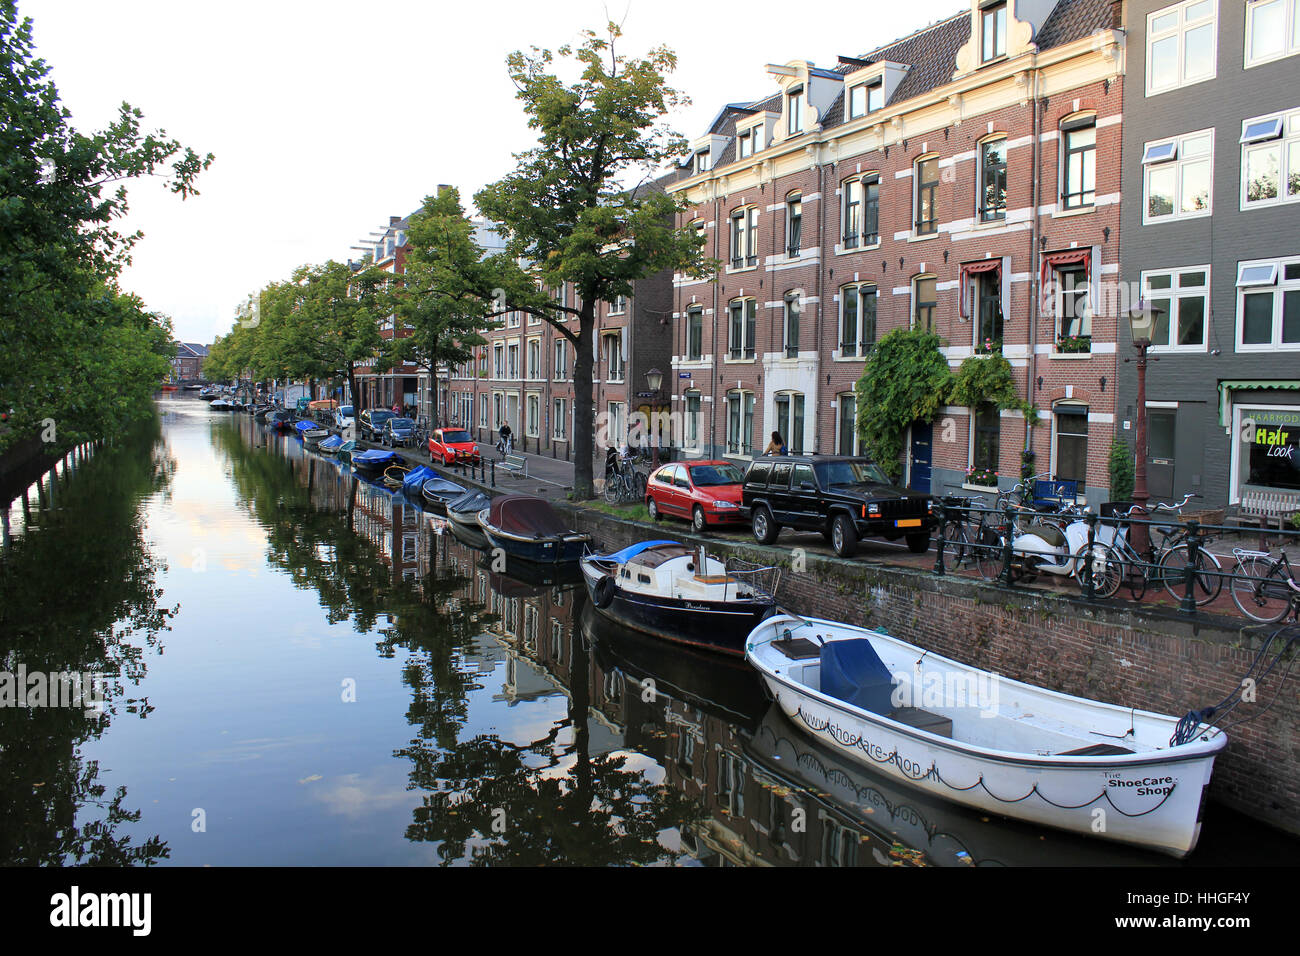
[901, 260]
[1042, 242]
[1105, 233]
[883, 265]
[1040, 383]
[1103, 383]
[945, 255]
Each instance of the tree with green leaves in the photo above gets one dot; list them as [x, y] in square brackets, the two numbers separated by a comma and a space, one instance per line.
[61, 194]
[441, 298]
[579, 207]
[324, 322]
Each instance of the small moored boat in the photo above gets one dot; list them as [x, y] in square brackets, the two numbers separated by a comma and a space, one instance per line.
[679, 593]
[438, 492]
[982, 740]
[527, 527]
[373, 462]
[330, 444]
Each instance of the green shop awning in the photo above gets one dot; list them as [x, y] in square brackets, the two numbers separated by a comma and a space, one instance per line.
[1247, 385]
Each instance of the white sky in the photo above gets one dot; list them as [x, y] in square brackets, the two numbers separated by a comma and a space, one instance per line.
[328, 117]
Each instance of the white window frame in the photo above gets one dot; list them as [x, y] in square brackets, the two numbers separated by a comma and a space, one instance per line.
[791, 302]
[533, 414]
[1287, 144]
[916, 195]
[1180, 31]
[1175, 293]
[744, 451]
[1000, 37]
[703, 160]
[746, 345]
[744, 144]
[533, 369]
[560, 357]
[1279, 287]
[1290, 34]
[1072, 403]
[744, 240]
[560, 419]
[692, 421]
[1178, 160]
[796, 100]
[980, 208]
[615, 363]
[857, 288]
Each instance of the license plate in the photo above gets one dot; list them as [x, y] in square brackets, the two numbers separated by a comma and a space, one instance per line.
[908, 523]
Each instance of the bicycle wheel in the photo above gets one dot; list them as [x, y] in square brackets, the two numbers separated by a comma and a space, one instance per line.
[955, 551]
[1260, 590]
[614, 489]
[1103, 567]
[640, 486]
[987, 554]
[1207, 577]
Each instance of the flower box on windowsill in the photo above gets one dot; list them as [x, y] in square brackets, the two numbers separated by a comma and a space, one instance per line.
[1074, 345]
[982, 478]
[967, 486]
[989, 347]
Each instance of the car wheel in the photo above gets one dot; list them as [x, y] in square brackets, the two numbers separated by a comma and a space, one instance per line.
[765, 529]
[653, 507]
[699, 522]
[918, 543]
[844, 536]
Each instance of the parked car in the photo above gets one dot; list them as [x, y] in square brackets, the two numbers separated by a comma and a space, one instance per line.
[344, 417]
[705, 492]
[450, 444]
[371, 422]
[397, 431]
[844, 498]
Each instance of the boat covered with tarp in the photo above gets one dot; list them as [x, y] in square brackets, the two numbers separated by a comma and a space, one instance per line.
[527, 527]
[438, 492]
[373, 461]
[330, 444]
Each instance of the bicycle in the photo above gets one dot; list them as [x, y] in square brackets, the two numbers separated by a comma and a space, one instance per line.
[623, 483]
[1264, 589]
[506, 446]
[1166, 563]
[958, 529]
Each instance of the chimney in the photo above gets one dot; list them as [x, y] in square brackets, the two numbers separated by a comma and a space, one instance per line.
[442, 188]
[394, 220]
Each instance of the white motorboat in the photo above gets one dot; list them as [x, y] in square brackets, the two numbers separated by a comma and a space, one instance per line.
[985, 741]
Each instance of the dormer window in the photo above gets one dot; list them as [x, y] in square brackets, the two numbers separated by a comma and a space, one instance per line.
[703, 162]
[866, 98]
[794, 101]
[745, 144]
[993, 31]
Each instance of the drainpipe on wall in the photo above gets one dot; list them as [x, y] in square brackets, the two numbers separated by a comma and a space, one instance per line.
[821, 287]
[717, 355]
[1035, 254]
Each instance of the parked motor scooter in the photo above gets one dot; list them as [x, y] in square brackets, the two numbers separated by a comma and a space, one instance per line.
[1039, 547]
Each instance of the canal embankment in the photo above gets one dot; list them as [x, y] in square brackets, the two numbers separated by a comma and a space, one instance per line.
[1148, 658]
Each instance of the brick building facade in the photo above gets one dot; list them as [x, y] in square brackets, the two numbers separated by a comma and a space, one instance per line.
[964, 178]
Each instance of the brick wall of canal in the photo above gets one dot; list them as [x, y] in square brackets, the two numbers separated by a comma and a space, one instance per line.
[1149, 659]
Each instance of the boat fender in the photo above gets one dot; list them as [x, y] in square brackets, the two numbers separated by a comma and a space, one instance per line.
[604, 591]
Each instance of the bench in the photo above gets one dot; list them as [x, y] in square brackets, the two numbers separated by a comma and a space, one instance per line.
[1261, 508]
[517, 465]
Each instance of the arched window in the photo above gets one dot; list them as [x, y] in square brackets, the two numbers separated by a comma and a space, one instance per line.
[1079, 160]
[991, 200]
[924, 299]
[925, 173]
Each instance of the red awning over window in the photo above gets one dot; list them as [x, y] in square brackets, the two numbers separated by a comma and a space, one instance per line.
[1059, 260]
[969, 269]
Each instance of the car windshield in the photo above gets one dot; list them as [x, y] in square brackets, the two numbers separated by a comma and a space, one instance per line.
[380, 416]
[400, 423]
[831, 473]
[706, 476]
[346, 411]
[455, 437]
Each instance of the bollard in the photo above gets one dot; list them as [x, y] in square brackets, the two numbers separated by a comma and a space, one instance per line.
[494, 473]
[1087, 569]
[1188, 603]
[941, 513]
[1006, 545]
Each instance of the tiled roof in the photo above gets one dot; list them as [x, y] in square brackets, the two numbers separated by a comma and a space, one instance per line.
[1073, 19]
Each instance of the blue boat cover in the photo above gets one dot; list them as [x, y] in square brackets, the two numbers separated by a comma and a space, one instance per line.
[373, 456]
[417, 477]
[306, 426]
[334, 441]
[853, 672]
[630, 552]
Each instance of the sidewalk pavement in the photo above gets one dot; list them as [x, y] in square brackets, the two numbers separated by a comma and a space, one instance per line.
[547, 477]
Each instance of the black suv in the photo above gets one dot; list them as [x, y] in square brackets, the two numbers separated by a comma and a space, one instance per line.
[371, 422]
[843, 498]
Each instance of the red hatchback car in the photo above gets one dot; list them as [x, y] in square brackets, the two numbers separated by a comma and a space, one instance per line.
[451, 444]
[705, 492]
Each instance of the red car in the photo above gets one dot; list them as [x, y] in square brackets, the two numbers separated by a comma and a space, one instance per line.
[706, 492]
[452, 445]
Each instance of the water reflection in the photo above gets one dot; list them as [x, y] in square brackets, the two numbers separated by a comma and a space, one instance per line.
[79, 594]
[494, 718]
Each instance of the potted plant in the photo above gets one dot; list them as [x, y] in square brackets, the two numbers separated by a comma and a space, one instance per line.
[1070, 344]
[982, 477]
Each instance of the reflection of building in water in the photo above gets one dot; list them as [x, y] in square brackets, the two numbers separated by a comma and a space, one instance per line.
[393, 525]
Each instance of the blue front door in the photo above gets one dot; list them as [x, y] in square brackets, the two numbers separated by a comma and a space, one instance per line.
[920, 457]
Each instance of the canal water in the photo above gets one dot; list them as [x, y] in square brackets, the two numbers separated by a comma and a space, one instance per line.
[304, 668]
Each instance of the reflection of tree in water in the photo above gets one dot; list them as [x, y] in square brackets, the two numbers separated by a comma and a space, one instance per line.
[78, 593]
[560, 803]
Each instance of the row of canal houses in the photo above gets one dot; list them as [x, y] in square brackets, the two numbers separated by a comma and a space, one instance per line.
[968, 179]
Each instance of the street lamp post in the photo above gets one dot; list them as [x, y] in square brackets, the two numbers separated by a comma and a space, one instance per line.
[1142, 320]
[655, 380]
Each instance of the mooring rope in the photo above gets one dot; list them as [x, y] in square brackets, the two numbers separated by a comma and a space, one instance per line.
[848, 739]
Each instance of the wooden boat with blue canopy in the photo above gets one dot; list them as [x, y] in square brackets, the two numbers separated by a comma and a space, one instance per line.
[988, 742]
[679, 593]
[527, 527]
[438, 492]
